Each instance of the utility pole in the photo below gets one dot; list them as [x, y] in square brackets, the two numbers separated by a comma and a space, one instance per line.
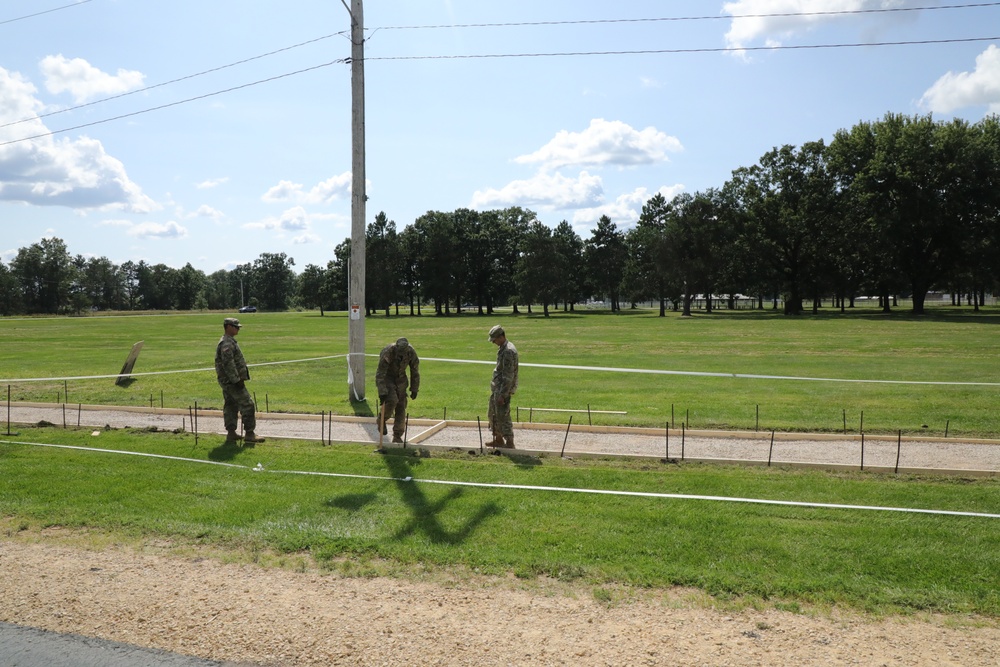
[356, 270]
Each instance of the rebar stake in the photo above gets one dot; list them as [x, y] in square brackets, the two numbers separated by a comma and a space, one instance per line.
[566, 437]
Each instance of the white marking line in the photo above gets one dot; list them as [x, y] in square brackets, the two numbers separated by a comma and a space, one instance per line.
[603, 369]
[522, 487]
[186, 370]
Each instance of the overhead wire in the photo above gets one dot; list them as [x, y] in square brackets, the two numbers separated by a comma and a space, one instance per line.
[721, 49]
[172, 104]
[713, 17]
[47, 11]
[741, 49]
[167, 83]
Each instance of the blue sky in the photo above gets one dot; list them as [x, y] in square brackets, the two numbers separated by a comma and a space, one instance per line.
[255, 155]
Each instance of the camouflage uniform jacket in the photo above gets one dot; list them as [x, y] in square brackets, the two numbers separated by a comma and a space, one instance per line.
[230, 366]
[505, 374]
[392, 364]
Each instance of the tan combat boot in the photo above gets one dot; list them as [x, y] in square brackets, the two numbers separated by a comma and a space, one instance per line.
[252, 438]
[497, 441]
[508, 442]
[232, 435]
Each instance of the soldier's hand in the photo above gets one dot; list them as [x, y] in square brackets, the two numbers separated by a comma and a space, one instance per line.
[241, 384]
[383, 398]
[501, 400]
[413, 395]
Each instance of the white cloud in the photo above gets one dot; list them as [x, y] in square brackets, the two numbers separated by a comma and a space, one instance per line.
[333, 188]
[293, 220]
[625, 210]
[211, 183]
[306, 239]
[544, 190]
[770, 22]
[44, 171]
[206, 211]
[604, 143]
[169, 230]
[84, 81]
[968, 89]
[283, 191]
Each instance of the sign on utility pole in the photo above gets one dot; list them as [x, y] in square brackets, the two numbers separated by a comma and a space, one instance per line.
[356, 288]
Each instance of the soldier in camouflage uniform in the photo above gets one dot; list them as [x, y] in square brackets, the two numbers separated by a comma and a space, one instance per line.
[390, 378]
[502, 387]
[232, 372]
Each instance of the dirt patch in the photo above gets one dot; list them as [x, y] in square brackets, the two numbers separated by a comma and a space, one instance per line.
[255, 615]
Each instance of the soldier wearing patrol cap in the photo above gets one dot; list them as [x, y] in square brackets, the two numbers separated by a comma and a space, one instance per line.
[390, 378]
[233, 374]
[502, 387]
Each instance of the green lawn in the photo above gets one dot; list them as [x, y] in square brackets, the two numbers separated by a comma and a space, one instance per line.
[948, 345]
[374, 522]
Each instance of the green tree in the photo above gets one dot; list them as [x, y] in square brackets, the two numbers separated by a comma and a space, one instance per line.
[646, 265]
[381, 265]
[273, 280]
[310, 287]
[218, 291]
[537, 274]
[10, 292]
[335, 286]
[605, 256]
[188, 284]
[571, 279]
[44, 272]
[438, 257]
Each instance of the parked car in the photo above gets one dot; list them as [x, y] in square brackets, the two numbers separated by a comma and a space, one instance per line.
[248, 309]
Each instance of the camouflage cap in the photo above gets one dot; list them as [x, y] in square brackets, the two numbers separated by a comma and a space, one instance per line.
[231, 322]
[402, 342]
[496, 332]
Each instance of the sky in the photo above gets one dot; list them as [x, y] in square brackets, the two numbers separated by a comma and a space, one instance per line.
[208, 133]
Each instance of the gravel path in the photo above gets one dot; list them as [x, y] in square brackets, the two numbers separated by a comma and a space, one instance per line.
[947, 455]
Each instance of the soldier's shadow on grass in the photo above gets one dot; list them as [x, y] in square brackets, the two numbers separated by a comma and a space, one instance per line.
[351, 501]
[425, 512]
[227, 451]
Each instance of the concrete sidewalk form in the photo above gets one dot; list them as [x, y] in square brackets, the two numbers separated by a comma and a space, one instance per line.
[880, 453]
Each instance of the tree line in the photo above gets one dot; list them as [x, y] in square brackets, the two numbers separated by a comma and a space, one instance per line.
[899, 206]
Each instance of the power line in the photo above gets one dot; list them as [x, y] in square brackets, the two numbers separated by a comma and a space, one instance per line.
[715, 17]
[696, 50]
[172, 104]
[47, 11]
[167, 83]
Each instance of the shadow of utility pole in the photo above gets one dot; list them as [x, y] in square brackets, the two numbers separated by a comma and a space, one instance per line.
[425, 512]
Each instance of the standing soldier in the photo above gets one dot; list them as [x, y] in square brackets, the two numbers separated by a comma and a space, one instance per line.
[233, 374]
[502, 387]
[390, 378]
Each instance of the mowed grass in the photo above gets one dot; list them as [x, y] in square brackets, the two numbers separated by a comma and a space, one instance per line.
[371, 520]
[898, 357]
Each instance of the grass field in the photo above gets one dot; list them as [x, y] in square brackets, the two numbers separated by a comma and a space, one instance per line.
[790, 557]
[949, 345]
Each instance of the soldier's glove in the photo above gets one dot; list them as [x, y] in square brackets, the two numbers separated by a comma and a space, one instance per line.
[413, 395]
[383, 398]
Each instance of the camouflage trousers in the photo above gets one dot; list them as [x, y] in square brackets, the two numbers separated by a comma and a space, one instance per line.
[395, 408]
[499, 416]
[237, 402]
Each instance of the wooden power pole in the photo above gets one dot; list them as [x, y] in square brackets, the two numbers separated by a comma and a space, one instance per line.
[356, 289]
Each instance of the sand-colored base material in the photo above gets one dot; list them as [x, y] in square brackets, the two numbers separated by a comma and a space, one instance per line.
[252, 615]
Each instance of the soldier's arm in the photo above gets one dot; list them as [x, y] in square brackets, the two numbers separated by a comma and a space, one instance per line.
[414, 374]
